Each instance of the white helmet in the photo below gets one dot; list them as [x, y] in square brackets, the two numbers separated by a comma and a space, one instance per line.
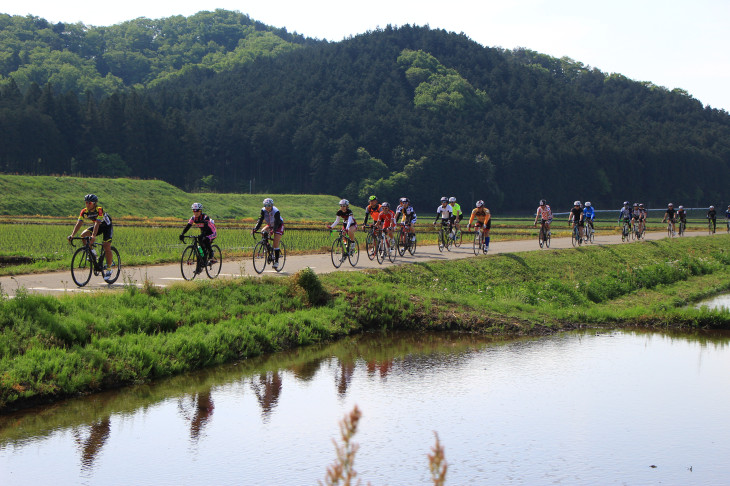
[344, 202]
[444, 199]
[588, 204]
[268, 202]
[385, 205]
[682, 207]
[712, 207]
[196, 207]
[577, 203]
[480, 203]
[452, 199]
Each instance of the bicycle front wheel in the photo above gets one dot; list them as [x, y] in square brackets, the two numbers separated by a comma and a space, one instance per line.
[392, 250]
[213, 268]
[442, 243]
[411, 244]
[380, 252]
[81, 267]
[189, 263]
[116, 267]
[574, 236]
[370, 245]
[477, 246]
[338, 252]
[260, 256]
[457, 239]
[402, 241]
[282, 256]
[354, 254]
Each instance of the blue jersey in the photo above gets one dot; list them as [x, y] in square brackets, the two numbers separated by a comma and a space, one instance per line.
[589, 212]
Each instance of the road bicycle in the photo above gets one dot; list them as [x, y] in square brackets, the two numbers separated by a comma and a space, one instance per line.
[387, 248]
[344, 248]
[575, 235]
[711, 225]
[589, 232]
[85, 262]
[444, 236]
[543, 236]
[194, 260]
[625, 231]
[682, 227]
[406, 240]
[670, 230]
[479, 243]
[263, 254]
[455, 236]
[371, 241]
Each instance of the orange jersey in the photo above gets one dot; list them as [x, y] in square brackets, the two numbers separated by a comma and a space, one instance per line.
[481, 214]
[388, 218]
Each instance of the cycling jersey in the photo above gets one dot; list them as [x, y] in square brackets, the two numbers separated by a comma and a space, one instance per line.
[682, 215]
[445, 212]
[456, 211]
[347, 219]
[712, 214]
[546, 214]
[370, 211]
[483, 217]
[589, 213]
[206, 225]
[575, 215]
[95, 215]
[272, 218]
[625, 214]
[409, 214]
[387, 217]
[670, 214]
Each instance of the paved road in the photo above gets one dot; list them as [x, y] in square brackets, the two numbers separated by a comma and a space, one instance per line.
[168, 274]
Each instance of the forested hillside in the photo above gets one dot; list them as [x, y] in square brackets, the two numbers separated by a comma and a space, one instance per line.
[399, 111]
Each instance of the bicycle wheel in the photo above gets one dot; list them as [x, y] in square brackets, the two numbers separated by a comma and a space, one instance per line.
[401, 241]
[709, 227]
[354, 254]
[477, 247]
[442, 242]
[412, 243]
[214, 264]
[337, 253]
[370, 244]
[260, 256]
[189, 262]
[574, 239]
[392, 249]
[282, 257]
[457, 238]
[81, 267]
[669, 230]
[116, 267]
[380, 253]
[541, 237]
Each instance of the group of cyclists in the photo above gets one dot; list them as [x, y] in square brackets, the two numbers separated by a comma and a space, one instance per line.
[384, 219]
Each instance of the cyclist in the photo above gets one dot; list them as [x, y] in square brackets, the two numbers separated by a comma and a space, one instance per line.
[670, 215]
[625, 215]
[444, 211]
[636, 218]
[712, 216]
[102, 223]
[457, 215]
[208, 232]
[727, 217]
[575, 217]
[484, 220]
[589, 213]
[372, 208]
[274, 226]
[544, 213]
[409, 216]
[642, 218]
[385, 220]
[348, 221]
[682, 215]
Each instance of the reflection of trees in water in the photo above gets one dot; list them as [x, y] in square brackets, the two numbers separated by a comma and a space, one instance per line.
[94, 442]
[306, 371]
[383, 367]
[344, 376]
[198, 411]
[267, 388]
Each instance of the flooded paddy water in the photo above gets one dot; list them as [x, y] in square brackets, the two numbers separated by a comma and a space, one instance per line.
[624, 407]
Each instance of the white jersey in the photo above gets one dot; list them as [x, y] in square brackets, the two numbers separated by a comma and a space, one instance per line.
[444, 212]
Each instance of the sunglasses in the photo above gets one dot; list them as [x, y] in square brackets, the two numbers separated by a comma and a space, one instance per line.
[196, 210]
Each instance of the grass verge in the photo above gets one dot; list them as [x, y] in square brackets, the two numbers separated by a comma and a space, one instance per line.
[55, 347]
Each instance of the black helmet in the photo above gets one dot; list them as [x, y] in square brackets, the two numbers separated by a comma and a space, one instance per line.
[91, 198]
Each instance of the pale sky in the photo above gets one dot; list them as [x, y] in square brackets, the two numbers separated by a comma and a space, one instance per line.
[672, 43]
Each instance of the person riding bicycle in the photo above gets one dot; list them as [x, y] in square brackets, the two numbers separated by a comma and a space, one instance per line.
[348, 221]
[642, 218]
[409, 216]
[456, 214]
[636, 214]
[625, 215]
[444, 211]
[712, 216]
[274, 226]
[682, 215]
[670, 215]
[208, 232]
[575, 217]
[484, 220]
[372, 208]
[544, 214]
[102, 224]
[727, 217]
[589, 213]
[385, 220]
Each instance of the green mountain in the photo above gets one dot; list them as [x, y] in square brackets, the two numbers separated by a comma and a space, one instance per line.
[399, 111]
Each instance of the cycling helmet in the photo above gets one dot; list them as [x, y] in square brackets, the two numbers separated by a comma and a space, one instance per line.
[712, 207]
[641, 205]
[196, 207]
[636, 205]
[373, 198]
[542, 202]
[452, 199]
[344, 202]
[385, 205]
[444, 200]
[682, 207]
[404, 200]
[670, 205]
[91, 198]
[588, 204]
[577, 203]
[268, 202]
[480, 203]
[626, 203]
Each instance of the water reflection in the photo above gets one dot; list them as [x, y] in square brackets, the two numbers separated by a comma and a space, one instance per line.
[573, 408]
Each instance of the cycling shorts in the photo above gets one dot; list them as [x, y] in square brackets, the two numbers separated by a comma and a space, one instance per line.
[105, 230]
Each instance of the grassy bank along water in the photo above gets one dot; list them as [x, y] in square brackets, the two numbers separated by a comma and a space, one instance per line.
[54, 347]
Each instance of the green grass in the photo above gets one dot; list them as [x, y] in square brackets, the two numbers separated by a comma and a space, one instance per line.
[54, 347]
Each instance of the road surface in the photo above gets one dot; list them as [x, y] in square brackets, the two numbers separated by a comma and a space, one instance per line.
[168, 274]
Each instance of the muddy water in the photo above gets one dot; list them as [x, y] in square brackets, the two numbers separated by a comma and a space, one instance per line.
[606, 408]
